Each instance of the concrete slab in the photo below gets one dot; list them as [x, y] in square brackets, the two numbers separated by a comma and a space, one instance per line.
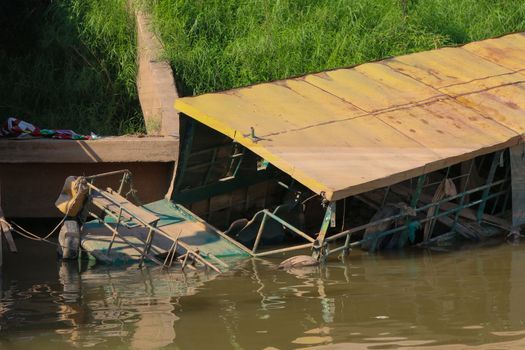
[105, 150]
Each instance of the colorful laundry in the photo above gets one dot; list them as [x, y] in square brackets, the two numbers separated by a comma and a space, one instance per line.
[17, 128]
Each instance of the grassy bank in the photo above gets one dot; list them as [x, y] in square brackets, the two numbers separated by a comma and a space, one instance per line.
[221, 44]
[69, 64]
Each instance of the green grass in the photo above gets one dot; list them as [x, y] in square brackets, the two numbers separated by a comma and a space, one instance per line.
[222, 44]
[72, 63]
[69, 64]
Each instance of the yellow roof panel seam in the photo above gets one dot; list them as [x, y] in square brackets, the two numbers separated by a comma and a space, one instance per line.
[477, 79]
[339, 97]
[408, 136]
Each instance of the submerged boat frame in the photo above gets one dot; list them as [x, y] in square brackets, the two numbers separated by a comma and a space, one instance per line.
[477, 210]
[412, 150]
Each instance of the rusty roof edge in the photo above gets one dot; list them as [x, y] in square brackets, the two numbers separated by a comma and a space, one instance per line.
[425, 169]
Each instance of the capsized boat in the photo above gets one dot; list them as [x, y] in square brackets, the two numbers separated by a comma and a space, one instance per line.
[419, 149]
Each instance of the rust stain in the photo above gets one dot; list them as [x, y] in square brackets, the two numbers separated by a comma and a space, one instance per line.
[324, 75]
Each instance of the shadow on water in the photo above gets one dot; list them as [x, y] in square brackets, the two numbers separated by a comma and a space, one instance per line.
[468, 297]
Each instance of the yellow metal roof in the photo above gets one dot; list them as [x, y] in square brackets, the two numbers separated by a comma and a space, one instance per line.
[347, 131]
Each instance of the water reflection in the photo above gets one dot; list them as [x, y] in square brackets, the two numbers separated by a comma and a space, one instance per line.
[471, 297]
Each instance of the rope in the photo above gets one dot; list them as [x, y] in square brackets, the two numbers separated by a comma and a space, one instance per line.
[33, 237]
[29, 235]
[46, 236]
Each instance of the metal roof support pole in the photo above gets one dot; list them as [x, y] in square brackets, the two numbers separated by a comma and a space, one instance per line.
[486, 191]
[320, 247]
[184, 153]
[501, 188]
[115, 232]
[417, 192]
[147, 245]
[210, 165]
[406, 235]
[122, 182]
[456, 217]
[259, 233]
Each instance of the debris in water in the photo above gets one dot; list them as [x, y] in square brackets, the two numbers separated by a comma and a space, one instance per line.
[298, 261]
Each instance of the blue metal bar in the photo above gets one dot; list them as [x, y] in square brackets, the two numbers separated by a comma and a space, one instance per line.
[490, 179]
[444, 213]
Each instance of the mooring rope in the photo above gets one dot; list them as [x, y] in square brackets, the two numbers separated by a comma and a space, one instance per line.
[36, 236]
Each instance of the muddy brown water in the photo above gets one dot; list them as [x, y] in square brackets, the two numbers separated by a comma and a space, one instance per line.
[470, 298]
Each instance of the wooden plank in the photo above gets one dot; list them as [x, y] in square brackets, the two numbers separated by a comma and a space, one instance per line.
[115, 202]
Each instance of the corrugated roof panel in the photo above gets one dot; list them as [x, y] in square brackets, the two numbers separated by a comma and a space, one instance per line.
[507, 51]
[273, 108]
[359, 150]
[347, 131]
[479, 85]
[505, 104]
[372, 87]
[445, 67]
[464, 130]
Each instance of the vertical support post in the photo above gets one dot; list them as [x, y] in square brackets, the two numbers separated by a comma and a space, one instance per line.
[458, 212]
[210, 166]
[501, 189]
[419, 187]
[320, 250]
[238, 166]
[147, 245]
[185, 152]
[405, 236]
[115, 232]
[387, 192]
[259, 233]
[171, 251]
[490, 180]
[346, 249]
[122, 182]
